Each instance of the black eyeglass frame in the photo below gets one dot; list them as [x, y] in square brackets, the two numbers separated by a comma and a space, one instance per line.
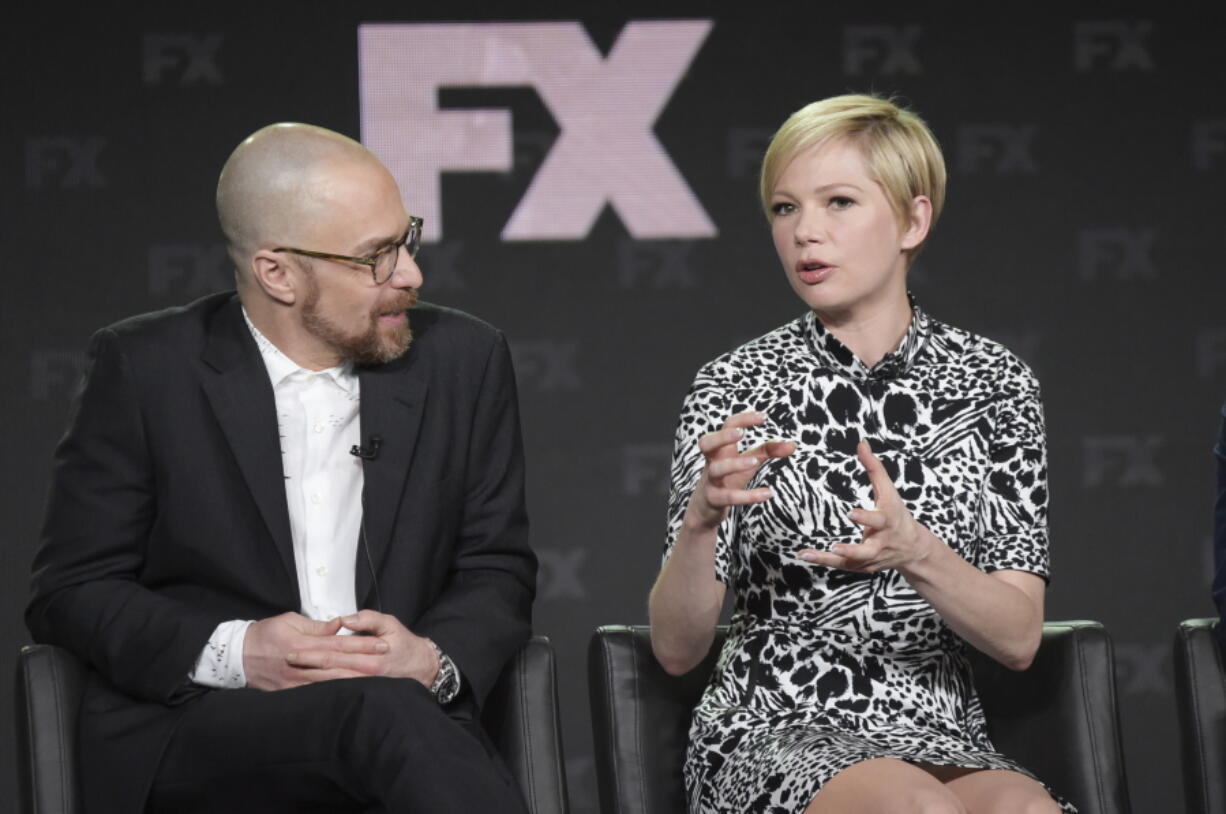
[411, 241]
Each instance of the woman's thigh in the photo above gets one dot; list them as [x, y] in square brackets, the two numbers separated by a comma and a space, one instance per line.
[1002, 792]
[885, 786]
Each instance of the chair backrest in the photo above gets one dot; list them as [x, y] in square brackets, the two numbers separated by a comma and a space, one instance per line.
[1059, 718]
[521, 716]
[1200, 695]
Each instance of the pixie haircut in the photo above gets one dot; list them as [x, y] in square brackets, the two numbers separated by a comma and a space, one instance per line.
[899, 151]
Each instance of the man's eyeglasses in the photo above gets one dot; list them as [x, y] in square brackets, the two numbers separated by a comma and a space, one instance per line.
[382, 264]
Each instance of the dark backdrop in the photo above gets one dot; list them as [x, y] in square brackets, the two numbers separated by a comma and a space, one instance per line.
[1087, 155]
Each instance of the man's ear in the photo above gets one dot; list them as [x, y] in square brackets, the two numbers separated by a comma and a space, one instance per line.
[919, 219]
[275, 277]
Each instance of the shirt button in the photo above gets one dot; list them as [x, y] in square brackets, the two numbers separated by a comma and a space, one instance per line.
[322, 570]
[315, 499]
[319, 428]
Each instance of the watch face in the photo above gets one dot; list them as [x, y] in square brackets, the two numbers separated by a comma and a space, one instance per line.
[446, 683]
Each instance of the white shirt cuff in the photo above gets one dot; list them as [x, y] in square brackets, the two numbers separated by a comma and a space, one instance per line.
[220, 665]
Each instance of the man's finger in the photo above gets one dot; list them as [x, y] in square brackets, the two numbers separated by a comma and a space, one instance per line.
[365, 621]
[300, 678]
[316, 627]
[371, 645]
[360, 663]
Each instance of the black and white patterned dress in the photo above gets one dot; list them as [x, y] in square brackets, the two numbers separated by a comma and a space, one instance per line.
[825, 668]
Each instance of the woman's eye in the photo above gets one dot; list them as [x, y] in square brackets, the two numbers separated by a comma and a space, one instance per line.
[782, 208]
[840, 202]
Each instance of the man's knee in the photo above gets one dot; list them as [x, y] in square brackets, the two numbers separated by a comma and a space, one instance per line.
[383, 705]
[397, 743]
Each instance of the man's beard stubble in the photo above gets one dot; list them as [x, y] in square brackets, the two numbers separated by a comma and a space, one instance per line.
[370, 347]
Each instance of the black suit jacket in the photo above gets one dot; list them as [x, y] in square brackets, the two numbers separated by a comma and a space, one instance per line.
[167, 515]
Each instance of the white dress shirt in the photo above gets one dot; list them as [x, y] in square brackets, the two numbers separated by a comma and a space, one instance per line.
[317, 416]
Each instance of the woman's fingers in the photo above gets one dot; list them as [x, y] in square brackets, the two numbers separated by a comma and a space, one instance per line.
[846, 556]
[718, 442]
[749, 418]
[871, 520]
[722, 467]
[812, 555]
[728, 470]
[739, 497]
[773, 449]
[883, 487]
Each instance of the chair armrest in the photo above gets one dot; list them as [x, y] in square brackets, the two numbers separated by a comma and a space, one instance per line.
[641, 720]
[1200, 696]
[521, 716]
[50, 681]
[1060, 717]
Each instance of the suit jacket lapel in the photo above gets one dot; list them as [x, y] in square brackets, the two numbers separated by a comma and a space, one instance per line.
[242, 399]
[393, 401]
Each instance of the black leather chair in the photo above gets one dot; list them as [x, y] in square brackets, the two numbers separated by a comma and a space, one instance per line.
[1059, 718]
[521, 715]
[1200, 695]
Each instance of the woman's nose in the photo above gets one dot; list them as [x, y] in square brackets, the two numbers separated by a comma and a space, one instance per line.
[809, 228]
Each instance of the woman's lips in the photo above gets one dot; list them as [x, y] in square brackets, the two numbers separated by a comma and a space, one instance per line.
[812, 273]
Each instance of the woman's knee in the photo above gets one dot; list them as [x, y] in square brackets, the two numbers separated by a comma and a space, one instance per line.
[1004, 793]
[899, 801]
[885, 787]
[1024, 802]
[931, 801]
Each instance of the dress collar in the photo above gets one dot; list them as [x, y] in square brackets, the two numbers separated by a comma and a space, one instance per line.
[832, 353]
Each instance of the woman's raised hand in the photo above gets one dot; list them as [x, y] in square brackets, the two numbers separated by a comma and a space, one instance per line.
[892, 536]
[728, 471]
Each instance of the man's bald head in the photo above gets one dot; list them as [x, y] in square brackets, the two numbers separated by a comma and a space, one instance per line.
[265, 191]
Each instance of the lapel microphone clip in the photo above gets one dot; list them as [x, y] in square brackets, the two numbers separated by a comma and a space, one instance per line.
[367, 453]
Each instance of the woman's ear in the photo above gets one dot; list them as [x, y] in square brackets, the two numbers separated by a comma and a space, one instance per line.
[919, 219]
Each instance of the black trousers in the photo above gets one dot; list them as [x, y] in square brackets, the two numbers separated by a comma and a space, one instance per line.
[356, 744]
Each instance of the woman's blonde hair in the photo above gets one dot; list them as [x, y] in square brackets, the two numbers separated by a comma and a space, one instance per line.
[900, 152]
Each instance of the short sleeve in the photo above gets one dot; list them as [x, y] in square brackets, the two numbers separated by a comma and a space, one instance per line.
[704, 410]
[1013, 511]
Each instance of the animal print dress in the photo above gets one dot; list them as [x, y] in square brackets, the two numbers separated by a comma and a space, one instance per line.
[825, 668]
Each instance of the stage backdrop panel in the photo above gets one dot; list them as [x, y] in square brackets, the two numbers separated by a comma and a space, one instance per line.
[589, 186]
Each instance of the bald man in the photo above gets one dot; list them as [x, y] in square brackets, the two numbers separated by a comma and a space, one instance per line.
[286, 527]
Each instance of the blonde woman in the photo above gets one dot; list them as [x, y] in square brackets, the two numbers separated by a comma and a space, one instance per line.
[871, 483]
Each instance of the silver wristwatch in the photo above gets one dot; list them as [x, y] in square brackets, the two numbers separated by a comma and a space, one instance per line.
[446, 684]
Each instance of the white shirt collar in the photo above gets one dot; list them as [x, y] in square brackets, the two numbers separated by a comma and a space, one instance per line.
[280, 367]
